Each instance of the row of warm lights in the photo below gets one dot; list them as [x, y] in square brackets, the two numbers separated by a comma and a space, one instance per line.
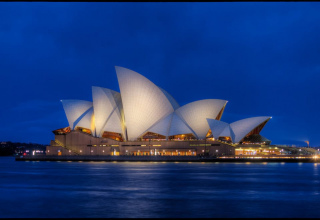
[105, 145]
[138, 151]
[162, 150]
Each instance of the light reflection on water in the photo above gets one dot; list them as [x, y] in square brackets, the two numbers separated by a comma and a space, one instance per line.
[89, 189]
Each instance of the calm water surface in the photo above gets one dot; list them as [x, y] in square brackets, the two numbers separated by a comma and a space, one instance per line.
[141, 189]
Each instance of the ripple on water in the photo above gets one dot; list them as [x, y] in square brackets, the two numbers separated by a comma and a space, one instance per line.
[158, 189]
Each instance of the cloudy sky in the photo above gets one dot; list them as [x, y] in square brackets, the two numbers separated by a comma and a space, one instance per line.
[263, 57]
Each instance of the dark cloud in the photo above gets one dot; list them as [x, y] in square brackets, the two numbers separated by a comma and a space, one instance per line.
[262, 57]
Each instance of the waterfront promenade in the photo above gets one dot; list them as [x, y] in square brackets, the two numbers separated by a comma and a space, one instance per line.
[280, 158]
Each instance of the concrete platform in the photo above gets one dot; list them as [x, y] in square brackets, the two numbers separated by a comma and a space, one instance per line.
[164, 159]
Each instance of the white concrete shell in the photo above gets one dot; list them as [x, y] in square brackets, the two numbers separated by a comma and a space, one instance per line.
[171, 125]
[162, 127]
[173, 102]
[75, 110]
[86, 121]
[113, 124]
[217, 127]
[243, 127]
[106, 110]
[195, 114]
[144, 103]
[178, 126]
[143, 106]
[228, 132]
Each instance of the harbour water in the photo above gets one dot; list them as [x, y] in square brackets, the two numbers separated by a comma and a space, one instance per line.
[158, 189]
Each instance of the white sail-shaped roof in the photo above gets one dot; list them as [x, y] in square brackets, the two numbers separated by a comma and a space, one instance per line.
[173, 102]
[195, 114]
[143, 106]
[144, 103]
[228, 132]
[162, 127]
[217, 127]
[243, 127]
[171, 125]
[75, 110]
[178, 126]
[106, 110]
[113, 124]
[86, 120]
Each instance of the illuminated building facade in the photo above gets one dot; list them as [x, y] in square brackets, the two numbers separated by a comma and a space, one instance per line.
[144, 119]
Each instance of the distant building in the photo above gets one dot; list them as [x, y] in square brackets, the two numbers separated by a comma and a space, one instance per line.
[144, 119]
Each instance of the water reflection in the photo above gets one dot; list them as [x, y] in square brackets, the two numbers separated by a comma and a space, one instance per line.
[89, 189]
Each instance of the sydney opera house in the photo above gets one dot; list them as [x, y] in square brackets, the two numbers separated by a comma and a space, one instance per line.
[144, 119]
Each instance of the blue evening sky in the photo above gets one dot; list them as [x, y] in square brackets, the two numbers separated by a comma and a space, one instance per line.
[263, 57]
